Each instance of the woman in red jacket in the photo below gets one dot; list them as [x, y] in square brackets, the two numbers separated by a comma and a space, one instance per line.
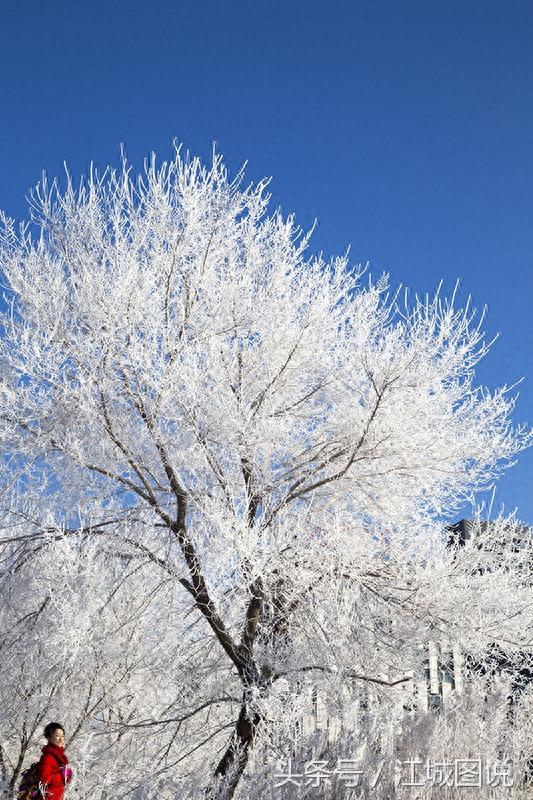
[54, 774]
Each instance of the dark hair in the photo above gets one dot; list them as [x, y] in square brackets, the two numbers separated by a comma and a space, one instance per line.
[51, 727]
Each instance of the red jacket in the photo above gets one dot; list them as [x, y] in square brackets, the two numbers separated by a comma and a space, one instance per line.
[51, 771]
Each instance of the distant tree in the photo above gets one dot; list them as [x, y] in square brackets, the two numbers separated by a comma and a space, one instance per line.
[73, 641]
[279, 436]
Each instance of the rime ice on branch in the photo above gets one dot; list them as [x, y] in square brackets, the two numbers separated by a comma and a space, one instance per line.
[279, 437]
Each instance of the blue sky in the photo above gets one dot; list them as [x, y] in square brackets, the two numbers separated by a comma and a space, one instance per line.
[405, 128]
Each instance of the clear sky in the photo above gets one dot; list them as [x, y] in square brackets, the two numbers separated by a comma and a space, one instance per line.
[406, 128]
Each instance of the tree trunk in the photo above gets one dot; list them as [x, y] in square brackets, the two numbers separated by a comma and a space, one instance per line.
[233, 763]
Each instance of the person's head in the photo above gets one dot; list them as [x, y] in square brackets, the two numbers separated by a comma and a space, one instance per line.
[55, 733]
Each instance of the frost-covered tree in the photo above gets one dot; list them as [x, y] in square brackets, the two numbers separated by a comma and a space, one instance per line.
[73, 641]
[280, 436]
